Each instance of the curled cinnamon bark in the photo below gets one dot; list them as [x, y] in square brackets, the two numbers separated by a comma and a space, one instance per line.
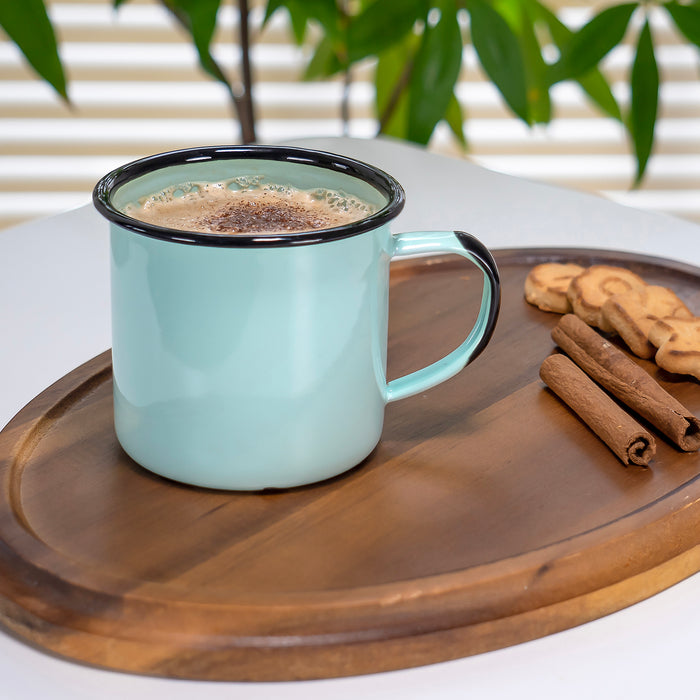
[616, 428]
[626, 380]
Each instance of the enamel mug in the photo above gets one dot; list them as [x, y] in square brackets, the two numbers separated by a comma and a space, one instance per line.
[247, 362]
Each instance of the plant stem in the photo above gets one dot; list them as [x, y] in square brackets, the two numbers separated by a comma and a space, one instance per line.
[344, 20]
[244, 102]
[345, 101]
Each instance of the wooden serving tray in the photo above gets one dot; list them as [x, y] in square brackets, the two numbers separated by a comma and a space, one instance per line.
[487, 516]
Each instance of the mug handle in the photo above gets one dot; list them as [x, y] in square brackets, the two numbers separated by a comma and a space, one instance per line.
[472, 249]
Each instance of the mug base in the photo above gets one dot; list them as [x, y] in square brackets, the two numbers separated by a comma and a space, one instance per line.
[226, 479]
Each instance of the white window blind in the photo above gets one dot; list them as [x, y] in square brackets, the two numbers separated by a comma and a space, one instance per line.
[136, 89]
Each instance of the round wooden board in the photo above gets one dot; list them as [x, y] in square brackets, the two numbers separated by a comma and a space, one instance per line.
[488, 515]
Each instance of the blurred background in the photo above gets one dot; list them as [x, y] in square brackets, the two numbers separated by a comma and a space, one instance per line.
[136, 88]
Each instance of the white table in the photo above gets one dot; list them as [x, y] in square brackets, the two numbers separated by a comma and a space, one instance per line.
[54, 315]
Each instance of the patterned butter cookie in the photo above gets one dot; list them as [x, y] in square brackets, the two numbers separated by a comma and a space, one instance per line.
[633, 313]
[678, 340]
[588, 292]
[547, 283]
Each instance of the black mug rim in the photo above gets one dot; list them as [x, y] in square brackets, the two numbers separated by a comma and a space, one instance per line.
[381, 180]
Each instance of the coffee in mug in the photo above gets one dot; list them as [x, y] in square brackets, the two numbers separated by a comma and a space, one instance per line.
[250, 352]
[247, 205]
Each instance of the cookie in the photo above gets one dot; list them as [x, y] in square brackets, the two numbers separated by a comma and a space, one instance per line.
[546, 286]
[678, 340]
[588, 292]
[631, 314]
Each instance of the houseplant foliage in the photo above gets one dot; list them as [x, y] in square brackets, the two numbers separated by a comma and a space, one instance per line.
[28, 25]
[417, 46]
[416, 49]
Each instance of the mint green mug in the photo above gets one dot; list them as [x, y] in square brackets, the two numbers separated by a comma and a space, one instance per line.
[247, 362]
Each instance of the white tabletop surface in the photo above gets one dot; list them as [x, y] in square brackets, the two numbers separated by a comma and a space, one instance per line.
[54, 315]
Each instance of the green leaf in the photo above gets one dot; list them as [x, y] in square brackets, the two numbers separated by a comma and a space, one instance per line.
[270, 9]
[198, 18]
[435, 73]
[645, 98]
[297, 16]
[499, 53]
[687, 19]
[592, 43]
[597, 88]
[325, 12]
[455, 120]
[520, 20]
[325, 62]
[392, 78]
[381, 25]
[28, 25]
[593, 83]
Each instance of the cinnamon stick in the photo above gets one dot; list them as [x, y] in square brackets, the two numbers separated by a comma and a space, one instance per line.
[626, 380]
[615, 427]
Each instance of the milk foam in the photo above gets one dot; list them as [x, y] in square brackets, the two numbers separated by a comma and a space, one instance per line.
[245, 205]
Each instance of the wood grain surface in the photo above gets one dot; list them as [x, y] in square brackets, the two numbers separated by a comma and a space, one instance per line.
[488, 515]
